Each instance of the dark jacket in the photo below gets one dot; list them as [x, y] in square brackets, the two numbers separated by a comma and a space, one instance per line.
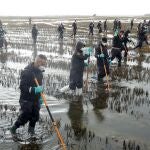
[101, 61]
[100, 48]
[74, 25]
[118, 42]
[27, 83]
[61, 28]
[34, 32]
[77, 65]
[125, 38]
[142, 35]
[2, 33]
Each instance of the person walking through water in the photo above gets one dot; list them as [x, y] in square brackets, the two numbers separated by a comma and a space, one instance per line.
[74, 28]
[60, 30]
[117, 47]
[30, 99]
[99, 27]
[34, 33]
[125, 41]
[102, 56]
[2, 36]
[91, 28]
[142, 37]
[77, 69]
[131, 24]
[105, 26]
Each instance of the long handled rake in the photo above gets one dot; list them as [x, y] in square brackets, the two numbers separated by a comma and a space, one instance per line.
[51, 117]
[107, 76]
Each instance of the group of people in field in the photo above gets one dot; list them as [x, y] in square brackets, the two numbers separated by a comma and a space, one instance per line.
[30, 98]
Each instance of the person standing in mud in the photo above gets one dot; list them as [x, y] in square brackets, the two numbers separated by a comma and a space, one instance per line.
[99, 26]
[105, 26]
[115, 25]
[77, 69]
[91, 28]
[148, 24]
[131, 24]
[139, 28]
[119, 25]
[60, 30]
[142, 37]
[2, 36]
[74, 28]
[125, 41]
[34, 33]
[102, 57]
[30, 99]
[117, 47]
[30, 20]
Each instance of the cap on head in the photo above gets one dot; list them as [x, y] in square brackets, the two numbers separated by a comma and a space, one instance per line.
[42, 56]
[40, 60]
[79, 45]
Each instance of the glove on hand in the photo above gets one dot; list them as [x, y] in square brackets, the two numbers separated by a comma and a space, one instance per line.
[101, 55]
[38, 89]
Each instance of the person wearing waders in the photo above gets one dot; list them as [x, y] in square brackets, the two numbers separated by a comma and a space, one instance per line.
[77, 69]
[99, 27]
[34, 33]
[2, 36]
[105, 26]
[117, 47]
[60, 30]
[30, 99]
[102, 57]
[91, 27]
[142, 37]
[74, 28]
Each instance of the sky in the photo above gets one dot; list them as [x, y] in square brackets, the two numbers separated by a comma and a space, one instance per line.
[74, 7]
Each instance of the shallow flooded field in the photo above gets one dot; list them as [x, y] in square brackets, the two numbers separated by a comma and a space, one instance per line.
[118, 119]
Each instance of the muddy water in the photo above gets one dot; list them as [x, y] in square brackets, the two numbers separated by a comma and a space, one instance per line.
[97, 120]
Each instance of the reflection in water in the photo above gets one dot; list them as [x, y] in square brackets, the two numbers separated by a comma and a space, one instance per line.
[100, 101]
[31, 146]
[60, 49]
[75, 114]
[3, 58]
[130, 83]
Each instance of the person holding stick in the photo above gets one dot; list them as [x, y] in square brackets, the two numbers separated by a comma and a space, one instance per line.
[102, 59]
[30, 98]
[77, 69]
